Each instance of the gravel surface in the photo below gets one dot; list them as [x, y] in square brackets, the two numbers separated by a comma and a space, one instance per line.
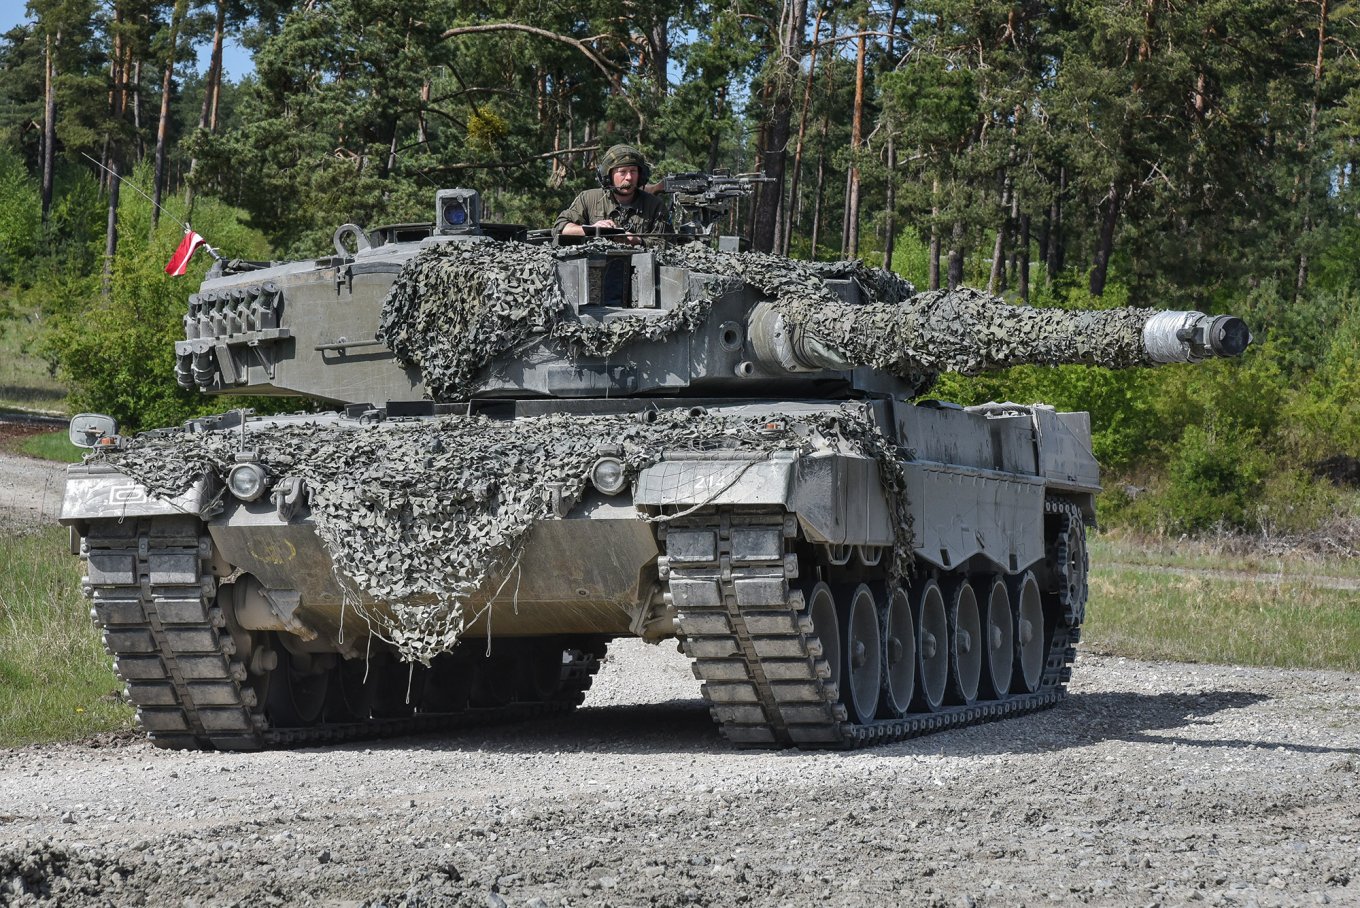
[1154, 784]
[30, 489]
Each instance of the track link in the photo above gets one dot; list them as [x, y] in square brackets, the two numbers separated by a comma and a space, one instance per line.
[730, 579]
[152, 595]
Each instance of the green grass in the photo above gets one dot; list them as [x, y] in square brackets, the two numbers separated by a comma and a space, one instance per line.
[26, 381]
[1232, 554]
[56, 681]
[54, 445]
[1291, 624]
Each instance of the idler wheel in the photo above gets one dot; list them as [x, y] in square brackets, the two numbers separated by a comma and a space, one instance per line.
[966, 647]
[297, 688]
[932, 647]
[822, 611]
[1029, 633]
[899, 657]
[998, 627]
[862, 661]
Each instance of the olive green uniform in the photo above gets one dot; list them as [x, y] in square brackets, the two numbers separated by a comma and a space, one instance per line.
[645, 214]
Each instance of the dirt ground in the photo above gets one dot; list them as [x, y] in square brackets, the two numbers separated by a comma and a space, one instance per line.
[1153, 784]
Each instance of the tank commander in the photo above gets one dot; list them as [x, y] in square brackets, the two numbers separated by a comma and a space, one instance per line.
[620, 202]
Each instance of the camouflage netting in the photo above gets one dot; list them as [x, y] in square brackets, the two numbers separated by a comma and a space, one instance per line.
[456, 307]
[423, 514]
[904, 332]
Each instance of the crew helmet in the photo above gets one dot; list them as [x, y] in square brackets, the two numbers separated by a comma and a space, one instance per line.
[622, 156]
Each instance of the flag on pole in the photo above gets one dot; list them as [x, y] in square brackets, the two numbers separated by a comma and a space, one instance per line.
[179, 262]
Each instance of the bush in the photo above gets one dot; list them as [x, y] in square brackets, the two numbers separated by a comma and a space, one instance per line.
[116, 355]
[1213, 481]
[20, 218]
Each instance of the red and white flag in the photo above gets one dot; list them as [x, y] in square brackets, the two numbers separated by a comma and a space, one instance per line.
[179, 262]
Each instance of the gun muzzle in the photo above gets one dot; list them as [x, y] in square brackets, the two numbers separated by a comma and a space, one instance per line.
[1188, 337]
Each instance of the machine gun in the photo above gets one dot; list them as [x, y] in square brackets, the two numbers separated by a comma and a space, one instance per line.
[700, 199]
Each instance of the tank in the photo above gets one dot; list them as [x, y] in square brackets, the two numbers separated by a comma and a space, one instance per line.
[522, 451]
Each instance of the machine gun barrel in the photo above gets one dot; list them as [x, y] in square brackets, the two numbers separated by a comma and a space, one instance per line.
[969, 332]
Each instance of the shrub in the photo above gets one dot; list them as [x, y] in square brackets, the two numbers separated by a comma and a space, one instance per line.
[1213, 480]
[117, 354]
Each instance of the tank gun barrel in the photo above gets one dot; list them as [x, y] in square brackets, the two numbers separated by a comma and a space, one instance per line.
[968, 332]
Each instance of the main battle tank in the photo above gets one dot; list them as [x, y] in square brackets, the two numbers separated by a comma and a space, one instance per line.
[537, 449]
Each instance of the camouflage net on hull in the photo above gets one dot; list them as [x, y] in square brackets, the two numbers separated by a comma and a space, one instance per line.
[420, 515]
[456, 307]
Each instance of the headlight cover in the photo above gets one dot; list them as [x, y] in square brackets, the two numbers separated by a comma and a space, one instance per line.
[608, 475]
[247, 481]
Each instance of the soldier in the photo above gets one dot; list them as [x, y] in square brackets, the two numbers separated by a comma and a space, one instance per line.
[620, 202]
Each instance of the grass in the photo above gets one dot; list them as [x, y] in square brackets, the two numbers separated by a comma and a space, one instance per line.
[56, 681]
[55, 445]
[26, 381]
[1142, 614]
[1117, 548]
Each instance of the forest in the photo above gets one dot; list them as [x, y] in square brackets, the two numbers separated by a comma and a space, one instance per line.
[1080, 153]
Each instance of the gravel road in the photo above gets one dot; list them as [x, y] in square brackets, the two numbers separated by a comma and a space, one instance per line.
[1154, 784]
[30, 491]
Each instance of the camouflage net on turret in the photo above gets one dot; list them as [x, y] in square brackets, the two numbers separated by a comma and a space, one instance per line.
[456, 307]
[905, 333]
[422, 516]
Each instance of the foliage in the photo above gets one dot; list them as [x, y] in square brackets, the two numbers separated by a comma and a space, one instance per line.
[1081, 154]
[117, 354]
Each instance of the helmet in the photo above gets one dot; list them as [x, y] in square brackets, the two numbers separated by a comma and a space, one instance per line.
[622, 156]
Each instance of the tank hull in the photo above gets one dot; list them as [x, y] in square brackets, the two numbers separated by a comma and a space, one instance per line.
[979, 487]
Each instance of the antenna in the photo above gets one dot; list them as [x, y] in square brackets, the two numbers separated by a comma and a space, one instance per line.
[161, 208]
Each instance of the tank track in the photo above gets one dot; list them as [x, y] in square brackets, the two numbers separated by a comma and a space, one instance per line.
[730, 577]
[153, 594]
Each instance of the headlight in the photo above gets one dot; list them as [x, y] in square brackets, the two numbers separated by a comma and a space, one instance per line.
[608, 475]
[246, 481]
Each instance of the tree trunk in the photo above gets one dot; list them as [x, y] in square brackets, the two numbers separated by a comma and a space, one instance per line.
[821, 181]
[933, 263]
[956, 256]
[1022, 271]
[996, 281]
[1055, 253]
[1100, 264]
[49, 142]
[890, 204]
[793, 16]
[163, 124]
[791, 209]
[890, 191]
[135, 88]
[1301, 278]
[852, 195]
[212, 84]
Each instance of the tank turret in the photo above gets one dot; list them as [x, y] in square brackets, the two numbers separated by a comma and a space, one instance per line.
[545, 448]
